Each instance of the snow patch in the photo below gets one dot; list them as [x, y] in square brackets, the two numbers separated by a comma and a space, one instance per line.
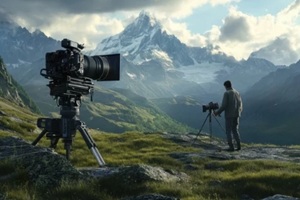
[161, 55]
[202, 73]
[131, 75]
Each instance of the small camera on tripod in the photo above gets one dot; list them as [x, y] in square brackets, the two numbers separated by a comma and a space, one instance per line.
[210, 106]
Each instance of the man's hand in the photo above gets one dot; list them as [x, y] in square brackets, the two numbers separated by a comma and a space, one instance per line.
[216, 114]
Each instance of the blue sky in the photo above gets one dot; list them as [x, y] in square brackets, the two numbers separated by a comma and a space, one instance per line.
[204, 17]
[262, 7]
[234, 27]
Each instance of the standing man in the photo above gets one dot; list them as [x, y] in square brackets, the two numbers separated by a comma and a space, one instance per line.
[233, 106]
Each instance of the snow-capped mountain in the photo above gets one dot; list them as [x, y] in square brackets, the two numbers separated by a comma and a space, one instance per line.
[279, 51]
[19, 47]
[23, 52]
[154, 56]
[144, 40]
[154, 63]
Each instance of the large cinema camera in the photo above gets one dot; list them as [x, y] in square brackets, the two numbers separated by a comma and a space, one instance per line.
[71, 71]
[71, 74]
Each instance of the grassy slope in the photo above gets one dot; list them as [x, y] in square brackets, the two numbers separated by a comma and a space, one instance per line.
[226, 180]
[114, 111]
[119, 111]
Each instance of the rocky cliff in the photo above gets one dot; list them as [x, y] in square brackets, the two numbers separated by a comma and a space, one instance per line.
[12, 91]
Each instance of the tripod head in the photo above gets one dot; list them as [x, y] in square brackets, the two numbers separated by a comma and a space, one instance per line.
[67, 93]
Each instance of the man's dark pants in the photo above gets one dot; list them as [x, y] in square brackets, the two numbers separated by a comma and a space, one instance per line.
[232, 129]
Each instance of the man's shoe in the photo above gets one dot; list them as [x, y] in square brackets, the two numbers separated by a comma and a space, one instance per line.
[230, 149]
[238, 147]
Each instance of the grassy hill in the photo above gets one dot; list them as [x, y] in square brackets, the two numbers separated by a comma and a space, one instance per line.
[209, 178]
[114, 111]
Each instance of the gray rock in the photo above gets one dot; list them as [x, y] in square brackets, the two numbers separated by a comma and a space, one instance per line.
[142, 173]
[44, 167]
[215, 150]
[2, 196]
[137, 174]
[280, 197]
[246, 197]
[151, 197]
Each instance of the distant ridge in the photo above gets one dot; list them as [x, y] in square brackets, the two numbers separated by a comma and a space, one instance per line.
[12, 91]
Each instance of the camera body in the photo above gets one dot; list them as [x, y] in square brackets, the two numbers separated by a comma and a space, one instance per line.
[210, 106]
[71, 72]
[71, 62]
[64, 62]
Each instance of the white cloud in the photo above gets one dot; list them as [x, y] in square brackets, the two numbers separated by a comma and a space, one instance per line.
[178, 9]
[87, 29]
[90, 23]
[181, 31]
[241, 34]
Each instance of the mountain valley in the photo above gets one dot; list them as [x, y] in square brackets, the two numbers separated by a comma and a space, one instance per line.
[158, 69]
[146, 126]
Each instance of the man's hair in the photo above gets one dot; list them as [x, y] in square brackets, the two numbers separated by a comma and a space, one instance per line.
[227, 84]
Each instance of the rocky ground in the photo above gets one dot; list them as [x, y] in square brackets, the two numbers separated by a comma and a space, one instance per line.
[42, 163]
[216, 149]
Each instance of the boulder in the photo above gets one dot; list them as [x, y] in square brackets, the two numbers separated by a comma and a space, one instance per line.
[280, 197]
[137, 174]
[151, 197]
[141, 173]
[44, 167]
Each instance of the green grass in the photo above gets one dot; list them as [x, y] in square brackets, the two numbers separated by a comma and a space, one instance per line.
[210, 180]
[257, 178]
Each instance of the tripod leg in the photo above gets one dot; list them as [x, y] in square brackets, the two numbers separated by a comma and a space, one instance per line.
[53, 142]
[225, 140]
[201, 127]
[219, 124]
[68, 146]
[39, 137]
[210, 127]
[91, 144]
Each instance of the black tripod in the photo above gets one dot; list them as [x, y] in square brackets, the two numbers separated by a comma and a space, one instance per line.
[66, 127]
[209, 117]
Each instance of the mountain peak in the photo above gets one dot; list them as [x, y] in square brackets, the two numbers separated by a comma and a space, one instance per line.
[145, 40]
[144, 23]
[147, 17]
[279, 51]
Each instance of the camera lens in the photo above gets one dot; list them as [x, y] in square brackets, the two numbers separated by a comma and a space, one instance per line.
[105, 67]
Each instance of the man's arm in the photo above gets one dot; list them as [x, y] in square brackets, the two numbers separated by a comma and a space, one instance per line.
[240, 103]
[224, 104]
